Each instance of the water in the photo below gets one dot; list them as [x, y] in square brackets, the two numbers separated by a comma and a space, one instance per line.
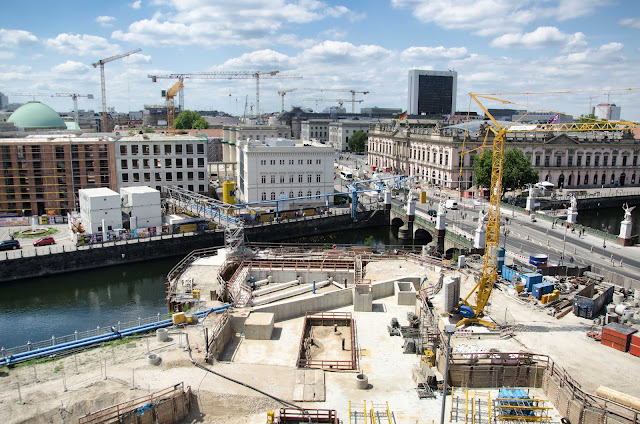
[375, 237]
[36, 309]
[608, 218]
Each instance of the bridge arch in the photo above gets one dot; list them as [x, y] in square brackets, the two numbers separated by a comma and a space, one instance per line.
[423, 235]
[397, 222]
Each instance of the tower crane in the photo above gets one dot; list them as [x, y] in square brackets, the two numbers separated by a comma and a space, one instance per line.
[343, 90]
[169, 95]
[74, 96]
[340, 101]
[225, 75]
[101, 62]
[282, 94]
[472, 312]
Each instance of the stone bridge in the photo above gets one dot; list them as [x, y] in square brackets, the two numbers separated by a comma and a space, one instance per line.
[422, 228]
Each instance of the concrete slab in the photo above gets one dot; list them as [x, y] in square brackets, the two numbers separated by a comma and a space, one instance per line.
[405, 293]
[259, 326]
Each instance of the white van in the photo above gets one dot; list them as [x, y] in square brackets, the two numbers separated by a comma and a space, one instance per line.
[451, 204]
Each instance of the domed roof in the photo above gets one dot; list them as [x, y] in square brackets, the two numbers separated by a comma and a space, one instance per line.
[35, 115]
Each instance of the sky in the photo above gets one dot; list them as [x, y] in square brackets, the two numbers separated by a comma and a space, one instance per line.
[587, 47]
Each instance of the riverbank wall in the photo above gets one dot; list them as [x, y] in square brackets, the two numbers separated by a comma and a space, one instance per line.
[141, 250]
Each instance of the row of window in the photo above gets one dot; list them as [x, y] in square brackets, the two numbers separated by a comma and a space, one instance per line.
[598, 180]
[157, 163]
[596, 160]
[169, 149]
[290, 161]
[157, 176]
[263, 196]
[263, 178]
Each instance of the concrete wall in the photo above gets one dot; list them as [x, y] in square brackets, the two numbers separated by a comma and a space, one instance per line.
[616, 279]
[307, 277]
[175, 245]
[297, 308]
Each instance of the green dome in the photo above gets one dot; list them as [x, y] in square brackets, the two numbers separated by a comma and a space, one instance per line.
[35, 115]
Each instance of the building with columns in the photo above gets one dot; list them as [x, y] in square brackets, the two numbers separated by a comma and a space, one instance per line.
[570, 160]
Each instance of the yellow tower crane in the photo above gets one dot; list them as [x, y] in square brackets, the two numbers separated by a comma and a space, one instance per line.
[169, 95]
[282, 94]
[340, 101]
[472, 312]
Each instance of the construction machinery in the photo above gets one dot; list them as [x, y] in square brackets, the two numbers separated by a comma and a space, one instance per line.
[169, 95]
[472, 312]
[282, 94]
[224, 75]
[343, 90]
[74, 96]
[101, 62]
[340, 101]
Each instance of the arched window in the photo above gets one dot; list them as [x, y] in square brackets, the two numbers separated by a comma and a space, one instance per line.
[318, 193]
[633, 178]
[546, 178]
[263, 196]
[309, 193]
[273, 195]
[570, 182]
[613, 178]
[299, 194]
[290, 194]
[595, 179]
[586, 179]
[603, 179]
[578, 179]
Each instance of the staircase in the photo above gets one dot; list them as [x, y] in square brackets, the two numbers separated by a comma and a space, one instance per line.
[240, 293]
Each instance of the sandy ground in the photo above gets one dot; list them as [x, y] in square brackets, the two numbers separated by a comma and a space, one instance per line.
[62, 395]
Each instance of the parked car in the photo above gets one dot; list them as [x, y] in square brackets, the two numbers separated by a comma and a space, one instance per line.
[9, 245]
[432, 212]
[44, 241]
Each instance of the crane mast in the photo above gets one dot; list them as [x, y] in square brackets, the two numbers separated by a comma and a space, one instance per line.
[343, 90]
[101, 63]
[340, 101]
[472, 312]
[282, 94]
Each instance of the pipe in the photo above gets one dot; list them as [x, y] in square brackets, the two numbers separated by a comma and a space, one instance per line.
[275, 287]
[50, 350]
[261, 282]
[290, 293]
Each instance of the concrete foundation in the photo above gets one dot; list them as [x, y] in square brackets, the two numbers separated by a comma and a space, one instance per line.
[259, 326]
[405, 293]
[362, 299]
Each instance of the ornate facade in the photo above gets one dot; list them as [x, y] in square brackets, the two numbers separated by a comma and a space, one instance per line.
[571, 160]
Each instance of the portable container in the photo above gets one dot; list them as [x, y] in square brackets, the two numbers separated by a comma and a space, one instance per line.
[541, 289]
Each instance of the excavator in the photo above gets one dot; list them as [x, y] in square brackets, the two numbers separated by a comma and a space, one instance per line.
[472, 311]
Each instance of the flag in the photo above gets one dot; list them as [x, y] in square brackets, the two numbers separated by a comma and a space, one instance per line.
[402, 116]
[555, 119]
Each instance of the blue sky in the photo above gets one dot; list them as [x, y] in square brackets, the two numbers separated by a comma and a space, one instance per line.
[495, 45]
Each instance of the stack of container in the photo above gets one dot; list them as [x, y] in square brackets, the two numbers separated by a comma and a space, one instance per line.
[634, 347]
[617, 336]
[541, 289]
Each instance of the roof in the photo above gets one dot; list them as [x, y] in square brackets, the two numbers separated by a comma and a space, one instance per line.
[98, 192]
[138, 189]
[36, 115]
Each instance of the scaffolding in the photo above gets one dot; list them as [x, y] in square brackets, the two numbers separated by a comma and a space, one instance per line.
[478, 407]
[374, 413]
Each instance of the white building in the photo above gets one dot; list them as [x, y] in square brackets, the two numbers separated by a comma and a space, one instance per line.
[98, 205]
[315, 129]
[339, 133]
[432, 92]
[234, 134]
[541, 117]
[158, 160]
[142, 206]
[607, 111]
[279, 168]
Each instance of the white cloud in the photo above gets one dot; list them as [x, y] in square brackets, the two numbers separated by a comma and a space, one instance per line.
[136, 4]
[7, 55]
[631, 22]
[214, 23]
[138, 58]
[71, 67]
[82, 45]
[105, 21]
[16, 38]
[264, 60]
[606, 55]
[541, 37]
[413, 53]
[341, 52]
[491, 17]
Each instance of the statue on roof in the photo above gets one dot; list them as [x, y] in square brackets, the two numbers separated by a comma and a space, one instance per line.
[574, 202]
[627, 212]
[441, 207]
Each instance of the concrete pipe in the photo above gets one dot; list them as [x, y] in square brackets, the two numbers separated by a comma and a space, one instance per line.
[162, 334]
[153, 359]
[362, 381]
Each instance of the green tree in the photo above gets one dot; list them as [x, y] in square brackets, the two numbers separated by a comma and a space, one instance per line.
[588, 118]
[516, 172]
[189, 119]
[358, 141]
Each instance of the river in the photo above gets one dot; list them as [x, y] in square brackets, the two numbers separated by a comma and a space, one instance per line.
[36, 309]
[608, 219]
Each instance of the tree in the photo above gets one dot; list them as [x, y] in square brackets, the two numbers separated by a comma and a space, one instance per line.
[516, 172]
[589, 118]
[358, 141]
[189, 119]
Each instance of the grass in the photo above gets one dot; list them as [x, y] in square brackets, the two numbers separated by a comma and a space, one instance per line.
[49, 232]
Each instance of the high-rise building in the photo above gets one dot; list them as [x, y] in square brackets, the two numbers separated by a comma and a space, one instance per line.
[432, 92]
[607, 111]
[4, 101]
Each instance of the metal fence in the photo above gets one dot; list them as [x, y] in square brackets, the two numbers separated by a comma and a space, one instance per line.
[78, 335]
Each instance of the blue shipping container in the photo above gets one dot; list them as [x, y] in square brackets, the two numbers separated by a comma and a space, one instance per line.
[531, 279]
[542, 288]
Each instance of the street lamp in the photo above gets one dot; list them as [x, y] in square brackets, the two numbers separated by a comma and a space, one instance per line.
[564, 242]
[449, 329]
